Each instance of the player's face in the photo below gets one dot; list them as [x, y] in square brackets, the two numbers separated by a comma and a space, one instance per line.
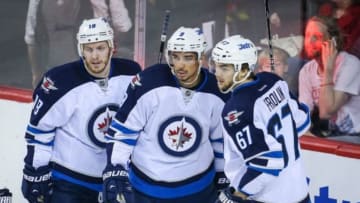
[224, 75]
[96, 57]
[185, 66]
[280, 68]
[315, 35]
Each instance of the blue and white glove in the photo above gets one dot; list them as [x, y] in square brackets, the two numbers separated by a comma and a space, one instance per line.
[36, 184]
[221, 181]
[116, 188]
[227, 196]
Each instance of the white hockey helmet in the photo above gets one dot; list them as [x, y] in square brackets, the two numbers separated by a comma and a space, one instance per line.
[187, 40]
[237, 51]
[94, 30]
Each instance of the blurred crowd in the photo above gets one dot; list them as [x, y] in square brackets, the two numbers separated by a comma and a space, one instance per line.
[300, 53]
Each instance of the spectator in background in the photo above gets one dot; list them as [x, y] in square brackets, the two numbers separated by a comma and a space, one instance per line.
[329, 82]
[248, 18]
[117, 13]
[281, 67]
[52, 24]
[347, 13]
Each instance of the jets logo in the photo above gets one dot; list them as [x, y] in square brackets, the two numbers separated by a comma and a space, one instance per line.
[179, 135]
[233, 117]
[47, 85]
[99, 123]
[135, 81]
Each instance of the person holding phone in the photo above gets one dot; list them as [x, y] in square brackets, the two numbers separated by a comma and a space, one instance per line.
[328, 83]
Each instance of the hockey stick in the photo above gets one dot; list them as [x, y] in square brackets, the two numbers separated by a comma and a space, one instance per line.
[267, 13]
[163, 35]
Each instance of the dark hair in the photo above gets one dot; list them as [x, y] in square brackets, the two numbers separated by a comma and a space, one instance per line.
[333, 29]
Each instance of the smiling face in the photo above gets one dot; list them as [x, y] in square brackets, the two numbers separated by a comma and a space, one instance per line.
[185, 66]
[96, 56]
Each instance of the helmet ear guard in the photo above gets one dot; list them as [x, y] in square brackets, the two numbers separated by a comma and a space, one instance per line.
[94, 30]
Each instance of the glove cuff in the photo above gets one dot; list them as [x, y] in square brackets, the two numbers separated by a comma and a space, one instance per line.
[114, 172]
[41, 174]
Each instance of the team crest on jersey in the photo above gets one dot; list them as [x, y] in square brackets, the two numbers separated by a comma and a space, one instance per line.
[233, 117]
[47, 85]
[135, 81]
[179, 135]
[99, 123]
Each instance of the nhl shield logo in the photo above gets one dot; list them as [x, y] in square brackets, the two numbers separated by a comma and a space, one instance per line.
[99, 123]
[179, 135]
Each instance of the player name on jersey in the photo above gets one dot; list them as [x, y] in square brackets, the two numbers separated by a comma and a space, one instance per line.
[274, 98]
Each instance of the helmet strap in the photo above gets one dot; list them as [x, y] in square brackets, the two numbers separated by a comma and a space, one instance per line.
[236, 82]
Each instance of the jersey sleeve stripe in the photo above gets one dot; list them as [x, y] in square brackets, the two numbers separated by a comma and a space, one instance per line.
[129, 142]
[118, 127]
[218, 155]
[51, 143]
[274, 172]
[273, 154]
[33, 130]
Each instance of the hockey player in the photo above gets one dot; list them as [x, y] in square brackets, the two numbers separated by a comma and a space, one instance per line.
[170, 126]
[262, 123]
[73, 106]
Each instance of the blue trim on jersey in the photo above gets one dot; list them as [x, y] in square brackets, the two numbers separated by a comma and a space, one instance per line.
[129, 142]
[308, 120]
[37, 131]
[122, 128]
[171, 192]
[274, 172]
[219, 140]
[218, 155]
[51, 143]
[273, 154]
[58, 175]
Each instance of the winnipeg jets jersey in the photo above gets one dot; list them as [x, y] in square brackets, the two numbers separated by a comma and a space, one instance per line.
[71, 114]
[174, 135]
[262, 123]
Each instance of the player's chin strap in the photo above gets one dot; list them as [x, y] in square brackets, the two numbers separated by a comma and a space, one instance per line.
[235, 82]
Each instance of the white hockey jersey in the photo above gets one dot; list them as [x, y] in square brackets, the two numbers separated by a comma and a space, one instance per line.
[262, 123]
[174, 135]
[71, 114]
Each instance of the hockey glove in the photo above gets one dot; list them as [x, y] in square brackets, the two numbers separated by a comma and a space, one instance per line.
[116, 188]
[36, 184]
[227, 196]
[221, 182]
[5, 195]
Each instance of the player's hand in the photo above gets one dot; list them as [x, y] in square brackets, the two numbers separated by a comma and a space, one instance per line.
[116, 188]
[221, 181]
[36, 184]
